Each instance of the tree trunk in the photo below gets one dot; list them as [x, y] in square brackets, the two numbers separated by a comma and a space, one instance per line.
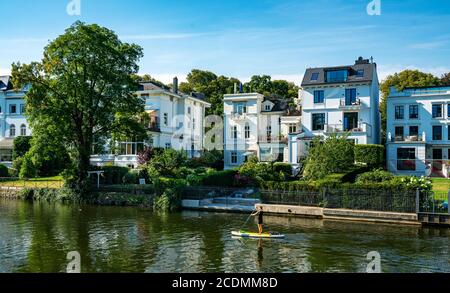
[82, 184]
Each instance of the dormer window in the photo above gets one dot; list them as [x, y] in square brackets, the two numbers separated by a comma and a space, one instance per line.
[267, 108]
[337, 75]
[315, 76]
[360, 73]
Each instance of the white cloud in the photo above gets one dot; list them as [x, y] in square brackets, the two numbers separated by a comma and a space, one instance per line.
[385, 70]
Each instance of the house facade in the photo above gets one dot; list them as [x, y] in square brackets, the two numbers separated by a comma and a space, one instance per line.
[418, 131]
[12, 118]
[338, 100]
[176, 120]
[257, 126]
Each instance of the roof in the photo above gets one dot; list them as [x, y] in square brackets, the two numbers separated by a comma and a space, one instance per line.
[5, 83]
[150, 86]
[279, 105]
[360, 64]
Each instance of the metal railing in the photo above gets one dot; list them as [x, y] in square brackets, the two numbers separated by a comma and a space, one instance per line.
[344, 103]
[427, 168]
[356, 199]
[340, 128]
[434, 203]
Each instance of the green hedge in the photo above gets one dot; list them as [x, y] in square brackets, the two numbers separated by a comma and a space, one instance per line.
[371, 154]
[113, 175]
[224, 178]
[285, 168]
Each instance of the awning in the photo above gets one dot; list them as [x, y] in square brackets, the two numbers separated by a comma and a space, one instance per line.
[6, 144]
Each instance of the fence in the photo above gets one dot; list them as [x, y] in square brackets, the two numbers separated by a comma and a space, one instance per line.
[431, 203]
[357, 199]
[30, 183]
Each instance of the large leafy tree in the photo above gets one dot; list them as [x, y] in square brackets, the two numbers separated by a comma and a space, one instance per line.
[82, 84]
[445, 79]
[279, 89]
[402, 80]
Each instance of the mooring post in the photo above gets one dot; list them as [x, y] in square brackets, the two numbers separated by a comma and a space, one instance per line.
[417, 201]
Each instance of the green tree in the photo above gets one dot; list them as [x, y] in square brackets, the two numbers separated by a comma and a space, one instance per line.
[84, 79]
[167, 163]
[402, 80]
[279, 89]
[445, 79]
[333, 155]
[21, 146]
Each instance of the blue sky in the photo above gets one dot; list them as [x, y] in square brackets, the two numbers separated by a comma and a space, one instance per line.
[242, 38]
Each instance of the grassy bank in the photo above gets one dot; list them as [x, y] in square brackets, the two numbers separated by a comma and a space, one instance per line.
[45, 182]
[441, 187]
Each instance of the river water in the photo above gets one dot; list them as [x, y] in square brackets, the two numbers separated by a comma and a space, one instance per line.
[37, 237]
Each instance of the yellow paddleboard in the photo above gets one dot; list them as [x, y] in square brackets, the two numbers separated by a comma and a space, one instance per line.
[245, 234]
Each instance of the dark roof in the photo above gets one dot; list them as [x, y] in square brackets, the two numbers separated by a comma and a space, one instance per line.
[360, 64]
[5, 83]
[279, 105]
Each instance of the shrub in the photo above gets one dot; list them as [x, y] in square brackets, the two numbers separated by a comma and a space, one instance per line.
[422, 183]
[27, 169]
[112, 175]
[285, 168]
[334, 155]
[374, 177]
[132, 177]
[16, 166]
[169, 201]
[4, 171]
[221, 178]
[371, 155]
[167, 163]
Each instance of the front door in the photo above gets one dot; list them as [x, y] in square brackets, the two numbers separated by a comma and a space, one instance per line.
[437, 160]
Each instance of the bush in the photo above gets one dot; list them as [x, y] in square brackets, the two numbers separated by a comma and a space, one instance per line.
[4, 172]
[374, 177]
[334, 155]
[112, 175]
[27, 169]
[132, 177]
[16, 166]
[284, 168]
[169, 201]
[371, 155]
[221, 178]
[167, 163]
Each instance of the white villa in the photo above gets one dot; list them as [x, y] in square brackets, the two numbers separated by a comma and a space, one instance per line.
[338, 100]
[418, 130]
[176, 121]
[257, 126]
[12, 120]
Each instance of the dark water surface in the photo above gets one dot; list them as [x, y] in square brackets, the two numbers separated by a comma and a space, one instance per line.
[37, 237]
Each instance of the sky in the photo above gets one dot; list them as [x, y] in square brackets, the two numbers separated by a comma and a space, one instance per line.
[241, 38]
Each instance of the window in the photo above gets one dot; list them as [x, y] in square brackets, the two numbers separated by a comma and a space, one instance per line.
[406, 159]
[414, 131]
[189, 110]
[437, 111]
[166, 119]
[318, 122]
[23, 130]
[413, 112]
[12, 109]
[337, 76]
[247, 131]
[292, 128]
[319, 97]
[269, 133]
[12, 131]
[193, 123]
[240, 108]
[315, 76]
[22, 108]
[399, 112]
[168, 145]
[234, 158]
[437, 132]
[234, 132]
[360, 73]
[399, 133]
[448, 110]
[350, 97]
[267, 108]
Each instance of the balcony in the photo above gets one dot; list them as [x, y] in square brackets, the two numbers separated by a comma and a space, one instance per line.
[238, 116]
[350, 105]
[406, 138]
[341, 128]
[273, 139]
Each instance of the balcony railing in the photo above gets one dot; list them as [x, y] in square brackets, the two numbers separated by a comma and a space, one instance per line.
[406, 138]
[273, 139]
[238, 116]
[341, 128]
[344, 103]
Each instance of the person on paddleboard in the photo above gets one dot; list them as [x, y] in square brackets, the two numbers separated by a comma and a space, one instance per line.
[260, 215]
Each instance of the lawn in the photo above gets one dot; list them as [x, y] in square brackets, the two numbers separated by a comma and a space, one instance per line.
[46, 182]
[441, 186]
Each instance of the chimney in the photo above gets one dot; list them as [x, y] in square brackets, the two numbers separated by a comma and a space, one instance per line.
[175, 85]
[235, 88]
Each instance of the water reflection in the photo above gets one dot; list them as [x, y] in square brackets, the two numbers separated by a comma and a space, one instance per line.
[37, 237]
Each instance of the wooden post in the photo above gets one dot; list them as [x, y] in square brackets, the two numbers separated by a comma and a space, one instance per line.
[417, 201]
